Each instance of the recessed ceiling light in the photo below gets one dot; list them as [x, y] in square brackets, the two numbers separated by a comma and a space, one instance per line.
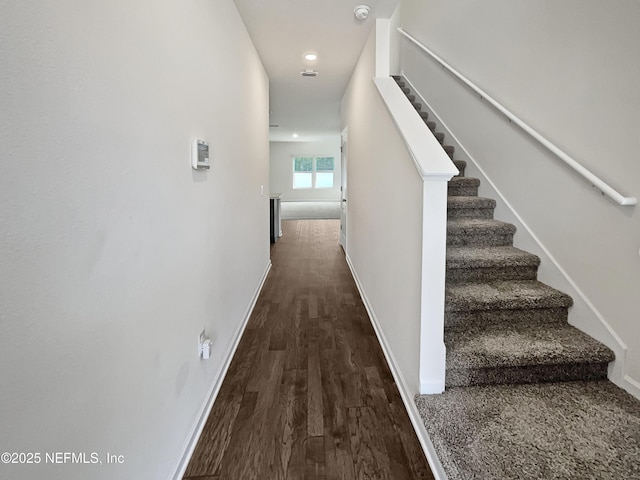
[295, 135]
[310, 56]
[361, 12]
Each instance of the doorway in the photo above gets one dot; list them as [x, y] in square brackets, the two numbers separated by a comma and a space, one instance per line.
[343, 189]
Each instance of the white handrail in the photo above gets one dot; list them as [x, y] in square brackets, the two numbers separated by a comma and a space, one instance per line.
[429, 158]
[597, 182]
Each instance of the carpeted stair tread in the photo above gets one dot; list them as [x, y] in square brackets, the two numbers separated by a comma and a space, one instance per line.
[570, 430]
[463, 186]
[460, 165]
[465, 181]
[481, 264]
[522, 344]
[470, 201]
[503, 295]
[449, 149]
[523, 352]
[461, 320]
[486, 235]
[478, 226]
[489, 257]
[462, 206]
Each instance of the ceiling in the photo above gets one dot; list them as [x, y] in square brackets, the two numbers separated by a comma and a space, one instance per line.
[282, 32]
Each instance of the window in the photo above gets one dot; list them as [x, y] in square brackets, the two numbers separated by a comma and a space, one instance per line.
[302, 172]
[324, 172]
[313, 172]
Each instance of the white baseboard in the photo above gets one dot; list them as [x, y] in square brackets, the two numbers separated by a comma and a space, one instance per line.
[210, 399]
[405, 394]
[632, 386]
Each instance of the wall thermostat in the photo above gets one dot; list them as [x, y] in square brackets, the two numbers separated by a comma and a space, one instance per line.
[200, 155]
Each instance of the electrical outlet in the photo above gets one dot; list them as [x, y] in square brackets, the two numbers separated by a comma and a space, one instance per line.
[201, 339]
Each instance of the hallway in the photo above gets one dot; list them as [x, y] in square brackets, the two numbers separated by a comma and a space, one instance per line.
[308, 394]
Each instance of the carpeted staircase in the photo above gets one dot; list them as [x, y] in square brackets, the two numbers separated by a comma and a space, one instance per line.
[504, 331]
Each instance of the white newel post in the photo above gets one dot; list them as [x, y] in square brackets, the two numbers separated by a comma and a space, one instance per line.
[434, 248]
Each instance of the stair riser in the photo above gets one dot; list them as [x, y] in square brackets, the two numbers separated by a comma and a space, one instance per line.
[459, 275]
[462, 190]
[450, 150]
[526, 374]
[480, 240]
[461, 166]
[483, 213]
[461, 320]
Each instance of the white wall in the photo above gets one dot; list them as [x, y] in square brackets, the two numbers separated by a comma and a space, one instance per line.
[569, 69]
[384, 220]
[281, 173]
[115, 253]
[394, 41]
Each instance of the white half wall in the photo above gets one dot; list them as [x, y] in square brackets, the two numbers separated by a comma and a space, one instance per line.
[384, 219]
[568, 69]
[281, 169]
[114, 253]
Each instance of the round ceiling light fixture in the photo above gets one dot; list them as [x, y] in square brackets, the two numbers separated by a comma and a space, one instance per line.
[310, 56]
[361, 12]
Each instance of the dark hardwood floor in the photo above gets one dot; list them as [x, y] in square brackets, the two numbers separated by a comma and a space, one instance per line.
[308, 394]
